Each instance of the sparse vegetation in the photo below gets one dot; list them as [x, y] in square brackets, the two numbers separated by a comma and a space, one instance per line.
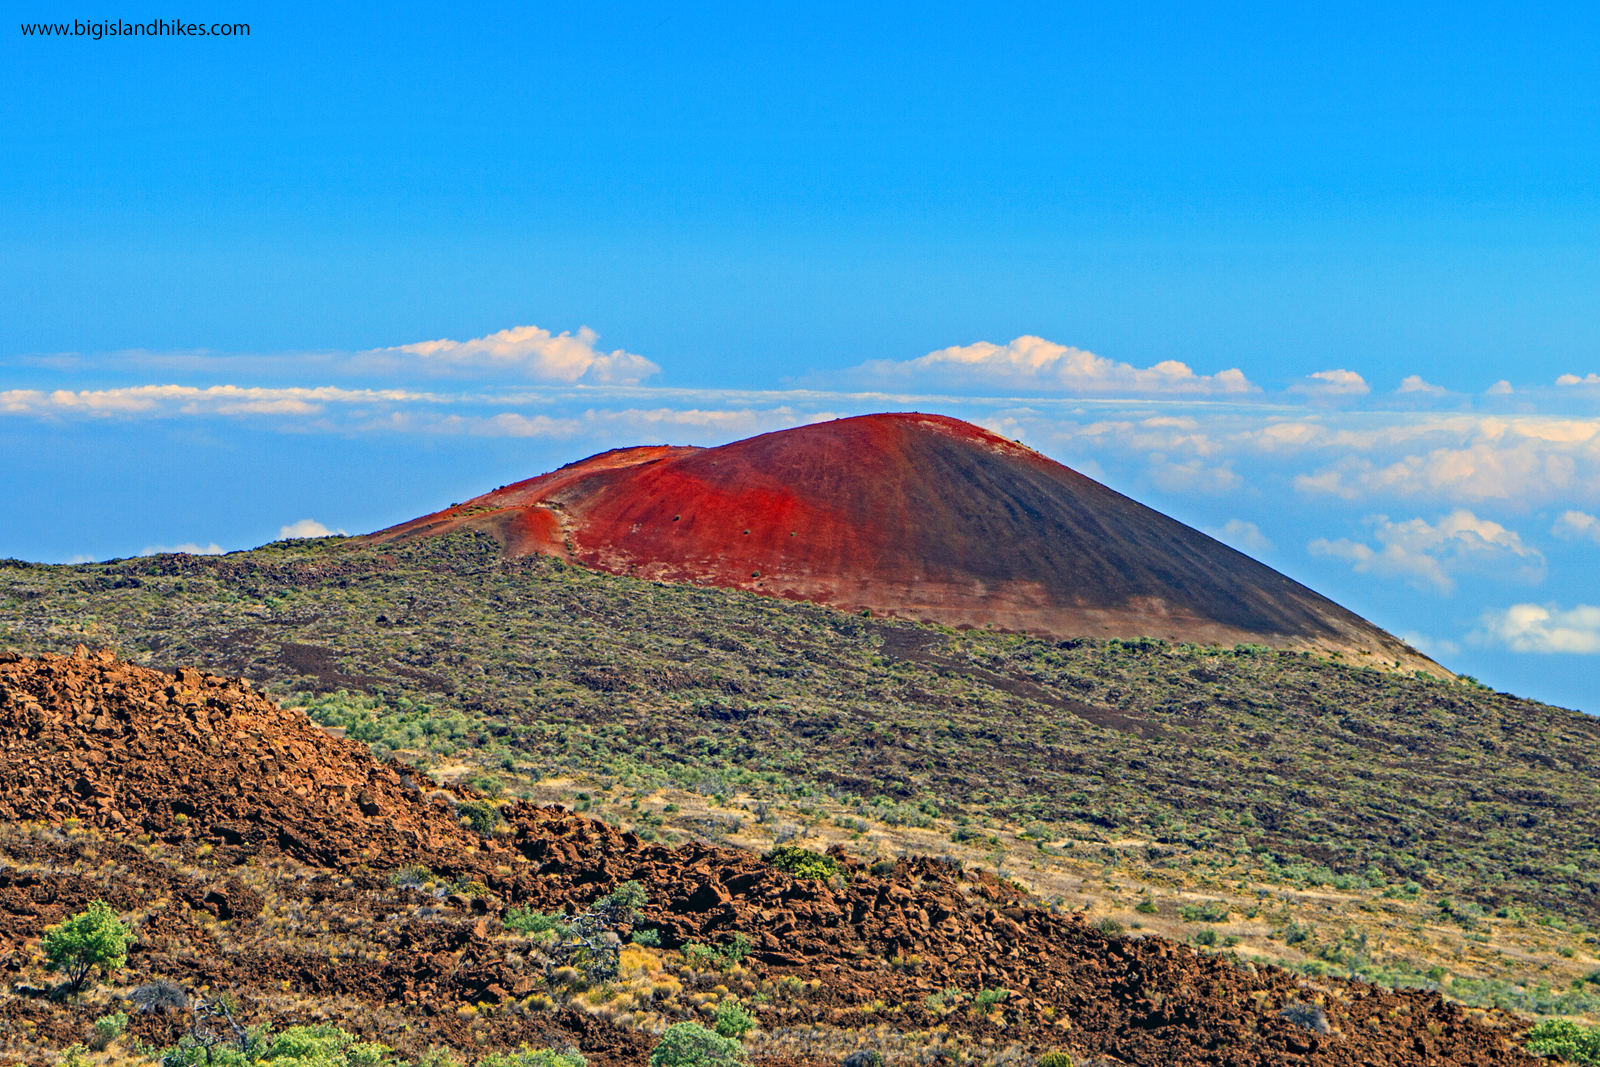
[296, 1046]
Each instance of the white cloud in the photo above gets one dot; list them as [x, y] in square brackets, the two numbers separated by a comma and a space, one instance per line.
[1426, 555]
[1573, 525]
[307, 528]
[1193, 476]
[1328, 383]
[1413, 384]
[528, 350]
[1572, 379]
[1500, 388]
[696, 423]
[1245, 536]
[1033, 363]
[168, 400]
[191, 548]
[1480, 457]
[1547, 628]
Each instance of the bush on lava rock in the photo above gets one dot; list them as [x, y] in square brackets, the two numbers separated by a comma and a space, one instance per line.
[1309, 1016]
[732, 1020]
[692, 1045]
[803, 863]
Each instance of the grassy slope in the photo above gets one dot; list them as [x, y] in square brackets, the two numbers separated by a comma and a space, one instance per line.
[1244, 764]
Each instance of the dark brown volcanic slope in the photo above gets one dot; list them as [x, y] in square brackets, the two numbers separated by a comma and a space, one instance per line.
[178, 800]
[917, 516]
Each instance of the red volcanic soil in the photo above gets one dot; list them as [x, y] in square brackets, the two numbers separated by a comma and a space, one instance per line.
[917, 516]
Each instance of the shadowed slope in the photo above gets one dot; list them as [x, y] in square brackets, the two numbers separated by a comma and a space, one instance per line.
[917, 516]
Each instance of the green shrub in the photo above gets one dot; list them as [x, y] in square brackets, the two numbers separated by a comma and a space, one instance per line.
[1207, 937]
[91, 939]
[737, 949]
[411, 876]
[482, 816]
[732, 1020]
[1569, 1040]
[623, 901]
[533, 1057]
[988, 998]
[1110, 927]
[528, 921]
[107, 1028]
[803, 863]
[1144, 907]
[1212, 911]
[692, 1045]
[487, 784]
[646, 937]
[1055, 1059]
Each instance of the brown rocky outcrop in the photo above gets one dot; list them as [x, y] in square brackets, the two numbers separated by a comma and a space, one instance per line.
[210, 768]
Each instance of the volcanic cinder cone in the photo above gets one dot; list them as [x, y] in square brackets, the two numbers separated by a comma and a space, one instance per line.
[917, 516]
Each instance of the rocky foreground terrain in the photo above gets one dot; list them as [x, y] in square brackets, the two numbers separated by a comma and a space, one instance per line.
[258, 855]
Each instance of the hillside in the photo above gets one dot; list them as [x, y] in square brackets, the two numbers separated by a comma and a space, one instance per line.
[1378, 821]
[260, 858]
[914, 516]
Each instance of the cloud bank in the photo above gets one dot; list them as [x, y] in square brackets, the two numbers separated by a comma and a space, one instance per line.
[1031, 363]
[1542, 628]
[1428, 555]
[526, 351]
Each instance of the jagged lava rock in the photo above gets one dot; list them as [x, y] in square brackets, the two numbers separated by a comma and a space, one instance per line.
[131, 750]
[120, 746]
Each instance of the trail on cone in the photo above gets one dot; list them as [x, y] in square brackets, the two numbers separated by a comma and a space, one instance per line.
[255, 854]
[917, 516]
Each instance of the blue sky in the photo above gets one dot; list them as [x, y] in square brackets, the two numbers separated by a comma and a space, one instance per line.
[1320, 282]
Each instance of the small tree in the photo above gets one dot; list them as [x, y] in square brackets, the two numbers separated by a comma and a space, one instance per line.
[91, 939]
[587, 940]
